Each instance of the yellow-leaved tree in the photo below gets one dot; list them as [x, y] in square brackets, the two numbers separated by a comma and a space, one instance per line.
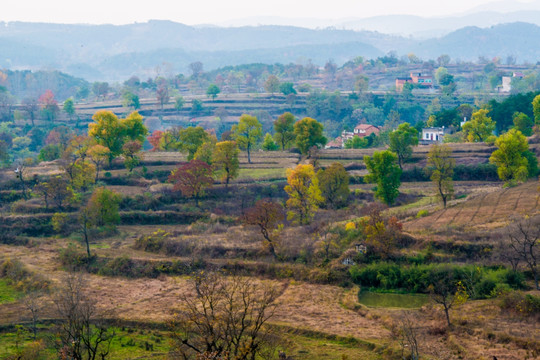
[304, 194]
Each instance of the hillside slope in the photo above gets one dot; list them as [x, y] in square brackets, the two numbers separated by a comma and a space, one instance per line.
[486, 210]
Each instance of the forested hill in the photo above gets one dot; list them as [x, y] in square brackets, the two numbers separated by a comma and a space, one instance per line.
[108, 52]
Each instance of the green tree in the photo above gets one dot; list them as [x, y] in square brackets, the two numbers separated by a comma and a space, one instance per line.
[402, 140]
[269, 144]
[134, 128]
[385, 172]
[196, 106]
[284, 130]
[82, 174]
[287, 88]
[69, 108]
[213, 91]
[130, 100]
[205, 152]
[130, 151]
[50, 152]
[179, 103]
[226, 160]
[334, 185]
[512, 165]
[308, 132]
[480, 127]
[536, 110]
[304, 194]
[191, 138]
[103, 207]
[440, 168]
[247, 133]
[523, 123]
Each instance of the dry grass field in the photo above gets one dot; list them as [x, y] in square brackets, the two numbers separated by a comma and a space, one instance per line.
[483, 210]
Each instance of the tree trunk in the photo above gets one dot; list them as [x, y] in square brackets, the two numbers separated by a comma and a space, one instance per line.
[446, 312]
[249, 153]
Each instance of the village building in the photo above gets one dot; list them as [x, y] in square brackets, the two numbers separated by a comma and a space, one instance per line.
[432, 135]
[361, 130]
[422, 80]
[335, 144]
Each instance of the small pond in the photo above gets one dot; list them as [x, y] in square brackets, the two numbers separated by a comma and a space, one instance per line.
[406, 301]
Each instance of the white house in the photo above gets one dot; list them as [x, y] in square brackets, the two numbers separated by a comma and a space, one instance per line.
[432, 135]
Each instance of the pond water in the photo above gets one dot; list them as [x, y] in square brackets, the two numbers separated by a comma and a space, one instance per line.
[406, 301]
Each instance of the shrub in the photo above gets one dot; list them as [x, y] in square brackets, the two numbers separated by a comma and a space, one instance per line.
[153, 242]
[350, 226]
[485, 288]
[422, 213]
[59, 222]
[159, 217]
[524, 304]
[515, 279]
[20, 277]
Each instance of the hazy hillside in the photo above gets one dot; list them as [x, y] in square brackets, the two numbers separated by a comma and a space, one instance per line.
[423, 27]
[108, 52]
[521, 40]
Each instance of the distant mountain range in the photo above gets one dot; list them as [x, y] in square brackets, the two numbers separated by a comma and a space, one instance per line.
[108, 52]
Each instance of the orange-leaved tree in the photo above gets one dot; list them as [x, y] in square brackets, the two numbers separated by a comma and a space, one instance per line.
[192, 179]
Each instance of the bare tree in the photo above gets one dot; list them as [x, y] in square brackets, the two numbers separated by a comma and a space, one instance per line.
[524, 235]
[20, 173]
[83, 332]
[407, 334]
[30, 106]
[226, 319]
[445, 290]
[267, 215]
[33, 302]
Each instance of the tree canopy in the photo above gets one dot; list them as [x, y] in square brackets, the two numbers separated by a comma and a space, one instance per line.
[304, 193]
[480, 127]
[226, 160]
[334, 185]
[284, 130]
[247, 133]
[309, 133]
[402, 140]
[440, 168]
[512, 165]
[385, 172]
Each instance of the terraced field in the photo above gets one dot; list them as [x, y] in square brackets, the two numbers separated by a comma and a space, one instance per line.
[484, 210]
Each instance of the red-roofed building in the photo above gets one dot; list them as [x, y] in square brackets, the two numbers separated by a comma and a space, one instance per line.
[361, 131]
[366, 130]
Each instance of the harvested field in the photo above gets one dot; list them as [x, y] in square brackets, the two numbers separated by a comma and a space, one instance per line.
[484, 210]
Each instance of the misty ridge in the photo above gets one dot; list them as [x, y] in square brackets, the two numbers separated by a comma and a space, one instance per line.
[116, 52]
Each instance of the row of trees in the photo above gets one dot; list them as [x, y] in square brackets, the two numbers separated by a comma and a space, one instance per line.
[304, 134]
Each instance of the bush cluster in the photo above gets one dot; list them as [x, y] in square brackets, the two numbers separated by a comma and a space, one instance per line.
[525, 304]
[21, 278]
[38, 225]
[481, 283]
[159, 217]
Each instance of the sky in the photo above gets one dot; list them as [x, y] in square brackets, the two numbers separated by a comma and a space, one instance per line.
[194, 12]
